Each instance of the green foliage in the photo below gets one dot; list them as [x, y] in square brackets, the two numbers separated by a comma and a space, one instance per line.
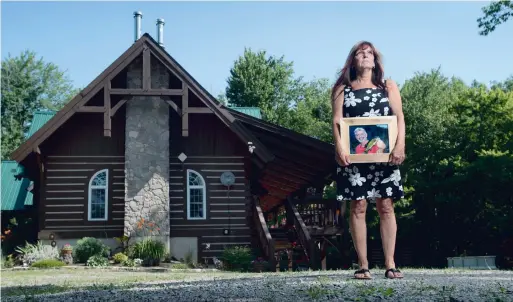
[29, 84]
[48, 263]
[97, 261]
[150, 250]
[259, 81]
[119, 258]
[130, 262]
[7, 262]
[180, 266]
[88, 247]
[237, 258]
[31, 253]
[495, 13]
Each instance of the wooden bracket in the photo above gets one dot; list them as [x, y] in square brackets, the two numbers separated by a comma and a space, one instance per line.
[146, 69]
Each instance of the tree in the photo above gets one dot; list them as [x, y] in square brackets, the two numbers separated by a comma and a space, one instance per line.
[29, 84]
[495, 14]
[265, 82]
[310, 113]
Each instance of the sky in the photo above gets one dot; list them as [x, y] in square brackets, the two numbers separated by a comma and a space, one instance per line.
[84, 38]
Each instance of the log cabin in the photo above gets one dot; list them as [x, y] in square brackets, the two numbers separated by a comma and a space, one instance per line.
[144, 140]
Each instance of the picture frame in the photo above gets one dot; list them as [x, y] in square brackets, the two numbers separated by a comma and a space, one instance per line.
[369, 139]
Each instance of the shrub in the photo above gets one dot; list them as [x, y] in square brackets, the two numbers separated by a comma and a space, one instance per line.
[88, 247]
[151, 251]
[7, 262]
[120, 257]
[97, 261]
[48, 263]
[31, 253]
[179, 266]
[237, 258]
[131, 262]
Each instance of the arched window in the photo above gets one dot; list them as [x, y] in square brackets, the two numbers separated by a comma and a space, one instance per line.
[98, 196]
[196, 196]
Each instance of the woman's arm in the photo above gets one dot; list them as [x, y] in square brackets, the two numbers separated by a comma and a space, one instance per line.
[337, 111]
[394, 98]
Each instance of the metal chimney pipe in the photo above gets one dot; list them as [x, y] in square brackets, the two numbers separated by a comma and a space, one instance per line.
[137, 27]
[160, 32]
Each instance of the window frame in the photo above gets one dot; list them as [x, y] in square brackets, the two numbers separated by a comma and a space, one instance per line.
[90, 187]
[204, 191]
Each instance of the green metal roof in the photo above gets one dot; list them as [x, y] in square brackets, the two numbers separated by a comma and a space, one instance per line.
[14, 192]
[40, 118]
[252, 111]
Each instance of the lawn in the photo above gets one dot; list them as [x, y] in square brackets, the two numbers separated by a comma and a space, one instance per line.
[184, 285]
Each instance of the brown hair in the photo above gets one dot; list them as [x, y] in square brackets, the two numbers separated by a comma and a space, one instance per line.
[349, 72]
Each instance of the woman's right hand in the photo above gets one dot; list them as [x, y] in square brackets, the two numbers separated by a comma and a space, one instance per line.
[342, 157]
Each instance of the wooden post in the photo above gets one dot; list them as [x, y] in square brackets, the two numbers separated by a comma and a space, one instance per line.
[146, 70]
[185, 110]
[106, 113]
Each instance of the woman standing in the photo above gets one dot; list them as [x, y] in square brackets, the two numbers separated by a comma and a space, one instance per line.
[361, 91]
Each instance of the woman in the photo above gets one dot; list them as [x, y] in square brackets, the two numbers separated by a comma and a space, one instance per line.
[361, 91]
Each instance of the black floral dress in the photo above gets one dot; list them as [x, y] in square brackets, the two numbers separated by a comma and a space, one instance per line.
[368, 180]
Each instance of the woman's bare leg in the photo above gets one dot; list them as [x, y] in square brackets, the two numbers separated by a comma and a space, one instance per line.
[388, 229]
[358, 209]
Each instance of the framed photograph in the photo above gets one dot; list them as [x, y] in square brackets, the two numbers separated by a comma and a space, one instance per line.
[369, 139]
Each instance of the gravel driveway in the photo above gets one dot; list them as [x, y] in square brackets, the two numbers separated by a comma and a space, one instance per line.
[418, 285]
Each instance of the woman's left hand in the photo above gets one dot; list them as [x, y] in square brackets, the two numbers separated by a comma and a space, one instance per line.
[397, 156]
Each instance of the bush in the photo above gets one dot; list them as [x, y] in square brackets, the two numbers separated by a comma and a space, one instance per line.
[88, 247]
[7, 262]
[131, 262]
[237, 258]
[31, 253]
[48, 263]
[120, 258]
[179, 266]
[97, 261]
[151, 251]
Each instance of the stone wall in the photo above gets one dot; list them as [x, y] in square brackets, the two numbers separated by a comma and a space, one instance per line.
[147, 157]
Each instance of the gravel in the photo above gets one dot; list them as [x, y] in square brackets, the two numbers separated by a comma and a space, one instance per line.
[418, 285]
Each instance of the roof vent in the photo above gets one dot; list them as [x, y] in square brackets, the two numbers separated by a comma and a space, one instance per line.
[160, 32]
[137, 27]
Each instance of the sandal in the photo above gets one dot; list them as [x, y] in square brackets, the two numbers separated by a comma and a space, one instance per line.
[393, 270]
[362, 271]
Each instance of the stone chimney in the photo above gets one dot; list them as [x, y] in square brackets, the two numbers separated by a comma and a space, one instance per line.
[160, 32]
[137, 25]
[147, 152]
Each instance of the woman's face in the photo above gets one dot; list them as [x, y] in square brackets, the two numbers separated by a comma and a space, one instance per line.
[364, 58]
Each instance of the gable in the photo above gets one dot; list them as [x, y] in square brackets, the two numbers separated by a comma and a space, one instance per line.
[104, 86]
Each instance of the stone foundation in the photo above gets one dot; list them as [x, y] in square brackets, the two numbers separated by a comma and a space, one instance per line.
[147, 158]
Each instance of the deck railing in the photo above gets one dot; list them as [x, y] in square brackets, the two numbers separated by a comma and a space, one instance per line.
[264, 236]
[311, 249]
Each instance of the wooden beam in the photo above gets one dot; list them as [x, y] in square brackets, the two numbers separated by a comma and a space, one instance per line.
[174, 106]
[185, 110]
[118, 105]
[149, 92]
[199, 110]
[91, 109]
[146, 68]
[107, 122]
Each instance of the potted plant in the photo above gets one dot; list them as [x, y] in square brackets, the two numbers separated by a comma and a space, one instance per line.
[67, 249]
[259, 265]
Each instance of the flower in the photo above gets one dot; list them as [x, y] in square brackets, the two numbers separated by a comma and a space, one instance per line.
[67, 247]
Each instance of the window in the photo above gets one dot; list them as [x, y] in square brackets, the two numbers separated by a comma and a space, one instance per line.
[98, 196]
[196, 196]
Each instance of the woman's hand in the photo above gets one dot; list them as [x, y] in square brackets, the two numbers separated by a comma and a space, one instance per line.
[342, 157]
[397, 156]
